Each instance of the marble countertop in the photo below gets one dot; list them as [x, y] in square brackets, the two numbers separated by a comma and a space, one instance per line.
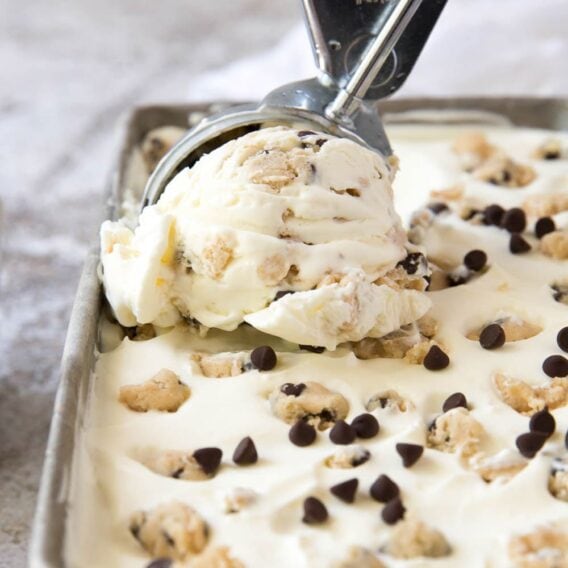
[71, 70]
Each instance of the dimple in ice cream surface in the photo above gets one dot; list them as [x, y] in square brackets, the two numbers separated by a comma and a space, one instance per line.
[293, 232]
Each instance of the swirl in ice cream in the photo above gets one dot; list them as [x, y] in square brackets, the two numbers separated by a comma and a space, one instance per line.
[294, 232]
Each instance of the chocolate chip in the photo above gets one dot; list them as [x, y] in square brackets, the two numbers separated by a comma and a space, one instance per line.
[209, 459]
[437, 207]
[530, 443]
[393, 511]
[302, 434]
[312, 348]
[384, 489]
[542, 422]
[455, 400]
[493, 214]
[304, 133]
[518, 245]
[475, 259]
[410, 453]
[514, 220]
[263, 358]
[346, 490]
[555, 366]
[365, 425]
[566, 440]
[161, 563]
[282, 293]
[436, 359]
[342, 433]
[562, 339]
[544, 226]
[291, 389]
[245, 453]
[551, 155]
[320, 142]
[412, 262]
[492, 336]
[314, 511]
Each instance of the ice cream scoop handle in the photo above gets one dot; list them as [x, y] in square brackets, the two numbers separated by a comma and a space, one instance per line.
[372, 60]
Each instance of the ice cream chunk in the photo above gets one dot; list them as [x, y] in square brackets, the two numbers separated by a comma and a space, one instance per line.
[349, 310]
[276, 210]
[138, 269]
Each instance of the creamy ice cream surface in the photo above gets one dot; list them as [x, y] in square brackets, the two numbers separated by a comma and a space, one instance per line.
[441, 444]
[276, 211]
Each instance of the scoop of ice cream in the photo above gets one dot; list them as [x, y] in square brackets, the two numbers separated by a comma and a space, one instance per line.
[277, 210]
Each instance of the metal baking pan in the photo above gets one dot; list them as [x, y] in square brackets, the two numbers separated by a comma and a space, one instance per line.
[48, 533]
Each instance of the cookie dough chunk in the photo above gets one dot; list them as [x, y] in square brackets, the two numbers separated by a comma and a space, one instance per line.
[558, 479]
[546, 205]
[177, 464]
[416, 354]
[503, 171]
[273, 269]
[216, 256]
[164, 392]
[348, 457]
[515, 328]
[410, 342]
[158, 142]
[550, 149]
[555, 245]
[308, 401]
[277, 168]
[395, 345]
[526, 399]
[456, 431]
[238, 498]
[390, 400]
[173, 530]
[359, 557]
[411, 538]
[473, 149]
[428, 326]
[453, 193]
[501, 466]
[220, 365]
[545, 547]
[219, 557]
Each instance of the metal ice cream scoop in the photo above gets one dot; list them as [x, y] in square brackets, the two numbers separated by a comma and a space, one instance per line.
[364, 50]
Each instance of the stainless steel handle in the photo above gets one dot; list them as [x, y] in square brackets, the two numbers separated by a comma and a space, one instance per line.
[366, 48]
[374, 57]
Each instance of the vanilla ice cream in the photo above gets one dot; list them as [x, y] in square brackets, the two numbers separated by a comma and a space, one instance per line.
[440, 445]
[276, 211]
